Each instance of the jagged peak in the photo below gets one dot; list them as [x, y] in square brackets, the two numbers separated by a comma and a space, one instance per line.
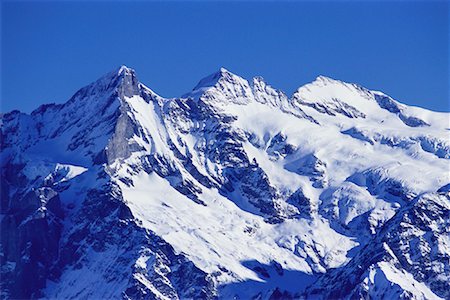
[222, 85]
[121, 73]
[261, 87]
[223, 70]
[121, 79]
[128, 81]
[117, 73]
[221, 75]
[123, 69]
[260, 81]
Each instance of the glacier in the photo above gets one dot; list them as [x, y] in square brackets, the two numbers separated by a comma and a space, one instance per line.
[232, 191]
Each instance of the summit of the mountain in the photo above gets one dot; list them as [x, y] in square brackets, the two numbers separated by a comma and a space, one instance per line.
[222, 87]
[221, 75]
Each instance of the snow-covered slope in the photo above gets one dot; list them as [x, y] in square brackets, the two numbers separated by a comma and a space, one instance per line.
[232, 190]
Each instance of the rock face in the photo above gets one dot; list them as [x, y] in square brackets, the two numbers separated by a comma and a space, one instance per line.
[234, 190]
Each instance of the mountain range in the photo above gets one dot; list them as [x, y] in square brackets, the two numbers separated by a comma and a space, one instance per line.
[232, 191]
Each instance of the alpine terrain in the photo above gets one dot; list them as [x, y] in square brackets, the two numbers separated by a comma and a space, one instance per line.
[232, 191]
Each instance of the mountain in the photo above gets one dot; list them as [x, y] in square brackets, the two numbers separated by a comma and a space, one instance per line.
[232, 191]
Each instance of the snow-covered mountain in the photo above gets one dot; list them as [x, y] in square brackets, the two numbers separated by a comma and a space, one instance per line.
[234, 190]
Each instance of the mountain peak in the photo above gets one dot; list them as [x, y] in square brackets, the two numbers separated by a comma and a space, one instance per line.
[221, 75]
[118, 73]
[222, 85]
[124, 71]
[223, 70]
[122, 78]
[124, 68]
[129, 84]
[321, 79]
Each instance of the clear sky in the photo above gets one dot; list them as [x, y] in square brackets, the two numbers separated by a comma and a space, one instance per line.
[50, 49]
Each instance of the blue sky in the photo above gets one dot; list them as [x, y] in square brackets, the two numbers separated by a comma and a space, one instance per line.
[50, 49]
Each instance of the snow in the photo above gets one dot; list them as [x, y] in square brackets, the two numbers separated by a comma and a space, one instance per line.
[69, 284]
[214, 235]
[357, 162]
[60, 172]
[147, 115]
[385, 275]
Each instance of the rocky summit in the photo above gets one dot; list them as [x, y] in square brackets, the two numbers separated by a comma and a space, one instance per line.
[233, 191]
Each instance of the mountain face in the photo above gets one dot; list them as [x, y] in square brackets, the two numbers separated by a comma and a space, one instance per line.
[233, 191]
